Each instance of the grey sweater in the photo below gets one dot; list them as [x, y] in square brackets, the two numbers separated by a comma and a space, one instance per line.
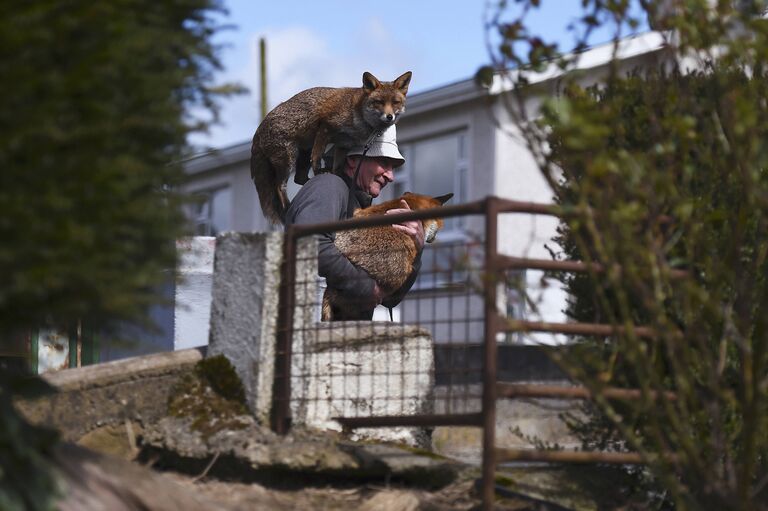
[328, 197]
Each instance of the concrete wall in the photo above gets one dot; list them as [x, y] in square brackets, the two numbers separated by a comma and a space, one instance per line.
[244, 310]
[363, 369]
[133, 389]
[338, 369]
[137, 390]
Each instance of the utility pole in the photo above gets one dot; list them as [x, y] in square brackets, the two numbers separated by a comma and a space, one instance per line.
[263, 75]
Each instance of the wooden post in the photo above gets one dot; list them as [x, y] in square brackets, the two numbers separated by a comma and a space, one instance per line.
[263, 76]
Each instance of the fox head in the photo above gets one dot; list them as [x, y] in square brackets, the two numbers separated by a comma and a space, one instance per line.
[384, 101]
[431, 225]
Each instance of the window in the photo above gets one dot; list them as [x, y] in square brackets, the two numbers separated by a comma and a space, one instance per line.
[446, 264]
[212, 212]
[435, 166]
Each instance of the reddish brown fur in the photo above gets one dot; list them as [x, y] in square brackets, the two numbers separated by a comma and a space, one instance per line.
[295, 133]
[386, 253]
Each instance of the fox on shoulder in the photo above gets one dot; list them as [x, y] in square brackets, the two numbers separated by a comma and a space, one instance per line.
[386, 253]
[295, 133]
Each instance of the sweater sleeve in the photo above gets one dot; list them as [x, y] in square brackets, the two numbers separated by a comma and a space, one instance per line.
[324, 198]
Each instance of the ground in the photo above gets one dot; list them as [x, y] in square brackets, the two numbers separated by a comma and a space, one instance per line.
[459, 496]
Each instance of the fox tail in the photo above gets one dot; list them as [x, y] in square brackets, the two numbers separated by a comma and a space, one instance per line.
[270, 188]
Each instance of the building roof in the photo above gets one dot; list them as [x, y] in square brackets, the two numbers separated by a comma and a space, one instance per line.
[461, 91]
[218, 157]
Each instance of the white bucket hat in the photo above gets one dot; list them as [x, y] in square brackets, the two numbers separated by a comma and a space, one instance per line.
[384, 144]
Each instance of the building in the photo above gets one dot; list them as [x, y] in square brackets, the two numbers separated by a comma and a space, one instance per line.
[457, 138]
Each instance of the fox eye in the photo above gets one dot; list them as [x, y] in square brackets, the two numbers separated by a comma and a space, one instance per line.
[397, 103]
[377, 102]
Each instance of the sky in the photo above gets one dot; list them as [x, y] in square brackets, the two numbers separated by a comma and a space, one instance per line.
[332, 42]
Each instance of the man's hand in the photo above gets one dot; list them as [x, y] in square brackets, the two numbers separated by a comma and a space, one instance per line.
[413, 228]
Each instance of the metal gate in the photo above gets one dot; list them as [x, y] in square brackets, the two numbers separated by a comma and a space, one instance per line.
[467, 385]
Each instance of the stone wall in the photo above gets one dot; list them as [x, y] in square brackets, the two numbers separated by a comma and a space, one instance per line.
[135, 389]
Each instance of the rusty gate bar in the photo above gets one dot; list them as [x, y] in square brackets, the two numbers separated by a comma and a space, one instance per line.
[565, 266]
[468, 419]
[547, 265]
[469, 208]
[519, 325]
[534, 208]
[516, 390]
[281, 390]
[618, 458]
[489, 356]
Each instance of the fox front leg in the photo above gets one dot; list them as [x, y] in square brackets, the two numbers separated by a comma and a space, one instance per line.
[338, 158]
[302, 167]
[321, 140]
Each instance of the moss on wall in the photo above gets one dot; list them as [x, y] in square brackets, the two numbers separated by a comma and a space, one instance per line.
[212, 396]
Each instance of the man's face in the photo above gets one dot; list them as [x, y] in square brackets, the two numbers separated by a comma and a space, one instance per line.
[375, 174]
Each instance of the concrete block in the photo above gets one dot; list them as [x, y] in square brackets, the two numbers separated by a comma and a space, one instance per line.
[244, 310]
[363, 369]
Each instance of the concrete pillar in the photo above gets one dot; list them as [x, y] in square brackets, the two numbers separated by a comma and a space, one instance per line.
[244, 310]
[363, 369]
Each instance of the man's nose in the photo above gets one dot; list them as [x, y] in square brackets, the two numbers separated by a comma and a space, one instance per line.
[389, 175]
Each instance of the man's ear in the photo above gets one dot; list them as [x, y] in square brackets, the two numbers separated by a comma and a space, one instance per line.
[370, 82]
[352, 160]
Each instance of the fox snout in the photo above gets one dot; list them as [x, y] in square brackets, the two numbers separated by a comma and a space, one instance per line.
[389, 118]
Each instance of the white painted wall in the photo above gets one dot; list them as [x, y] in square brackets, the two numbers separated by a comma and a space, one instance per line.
[192, 310]
[518, 177]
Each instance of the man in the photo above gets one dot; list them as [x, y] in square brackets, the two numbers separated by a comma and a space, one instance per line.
[330, 197]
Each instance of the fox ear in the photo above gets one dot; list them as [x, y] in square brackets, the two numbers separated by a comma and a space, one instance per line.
[443, 198]
[403, 81]
[370, 82]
